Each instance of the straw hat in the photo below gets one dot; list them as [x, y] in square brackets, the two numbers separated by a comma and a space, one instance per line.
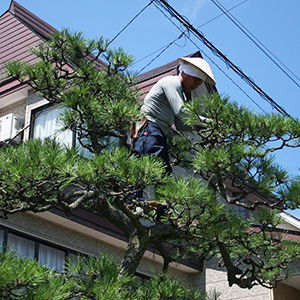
[201, 65]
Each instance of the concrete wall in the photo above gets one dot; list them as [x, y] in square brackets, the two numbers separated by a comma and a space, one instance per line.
[17, 109]
[216, 280]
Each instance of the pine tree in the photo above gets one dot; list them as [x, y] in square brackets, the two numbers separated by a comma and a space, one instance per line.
[86, 278]
[237, 148]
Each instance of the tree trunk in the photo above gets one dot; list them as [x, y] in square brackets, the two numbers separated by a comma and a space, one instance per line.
[137, 245]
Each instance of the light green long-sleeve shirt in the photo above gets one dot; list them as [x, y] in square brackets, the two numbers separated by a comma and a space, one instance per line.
[163, 104]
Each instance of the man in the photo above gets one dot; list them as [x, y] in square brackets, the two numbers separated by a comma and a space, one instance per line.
[163, 107]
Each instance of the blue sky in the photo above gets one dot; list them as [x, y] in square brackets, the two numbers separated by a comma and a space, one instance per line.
[274, 24]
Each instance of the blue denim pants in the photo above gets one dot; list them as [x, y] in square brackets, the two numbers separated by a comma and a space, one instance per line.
[153, 141]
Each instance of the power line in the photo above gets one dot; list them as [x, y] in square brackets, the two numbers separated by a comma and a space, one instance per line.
[220, 15]
[130, 22]
[225, 74]
[152, 53]
[168, 45]
[215, 51]
[23, 129]
[137, 15]
[164, 49]
[203, 53]
[255, 40]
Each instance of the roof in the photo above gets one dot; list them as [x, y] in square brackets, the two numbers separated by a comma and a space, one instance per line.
[37, 25]
[147, 80]
[21, 30]
[290, 219]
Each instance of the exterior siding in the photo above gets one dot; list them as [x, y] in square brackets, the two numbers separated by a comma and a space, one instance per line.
[15, 36]
[18, 109]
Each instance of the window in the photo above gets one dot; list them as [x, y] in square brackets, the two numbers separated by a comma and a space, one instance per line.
[51, 258]
[22, 246]
[49, 255]
[73, 258]
[46, 124]
[240, 210]
[1, 238]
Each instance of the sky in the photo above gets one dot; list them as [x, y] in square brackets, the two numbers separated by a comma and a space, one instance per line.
[273, 25]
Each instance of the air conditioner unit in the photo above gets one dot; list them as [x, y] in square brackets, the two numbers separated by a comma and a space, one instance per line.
[10, 126]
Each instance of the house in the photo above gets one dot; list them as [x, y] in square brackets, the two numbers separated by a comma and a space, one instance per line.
[51, 236]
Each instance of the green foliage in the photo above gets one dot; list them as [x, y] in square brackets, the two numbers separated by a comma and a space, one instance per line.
[37, 175]
[33, 173]
[291, 192]
[160, 287]
[240, 145]
[258, 251]
[237, 149]
[89, 278]
[97, 278]
[191, 197]
[118, 171]
[26, 279]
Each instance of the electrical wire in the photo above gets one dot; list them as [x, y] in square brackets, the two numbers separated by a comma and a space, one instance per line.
[111, 41]
[148, 55]
[204, 54]
[255, 40]
[225, 74]
[151, 61]
[189, 28]
[138, 14]
[164, 49]
[215, 51]
[23, 129]
[173, 42]
[220, 15]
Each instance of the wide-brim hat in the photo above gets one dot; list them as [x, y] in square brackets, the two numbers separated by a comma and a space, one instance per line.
[202, 65]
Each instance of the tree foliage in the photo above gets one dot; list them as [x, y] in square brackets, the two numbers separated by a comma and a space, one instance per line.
[86, 278]
[234, 150]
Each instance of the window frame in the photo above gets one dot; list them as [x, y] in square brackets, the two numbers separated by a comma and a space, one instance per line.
[38, 242]
[34, 114]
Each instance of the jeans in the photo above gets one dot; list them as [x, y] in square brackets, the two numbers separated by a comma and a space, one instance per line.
[153, 141]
